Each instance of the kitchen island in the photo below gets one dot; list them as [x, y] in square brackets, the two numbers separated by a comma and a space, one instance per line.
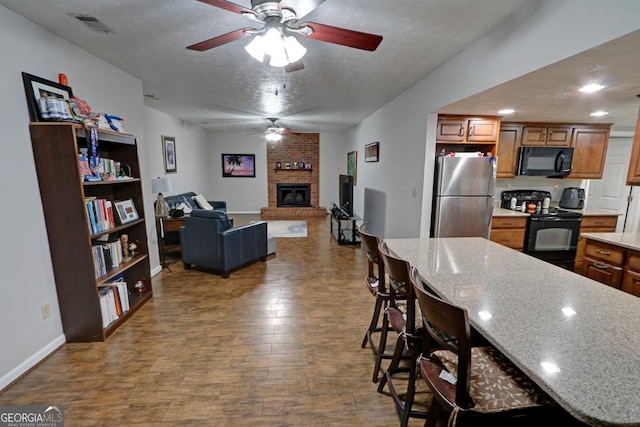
[577, 339]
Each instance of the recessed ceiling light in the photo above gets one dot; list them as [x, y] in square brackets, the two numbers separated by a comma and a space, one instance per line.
[599, 113]
[507, 111]
[591, 87]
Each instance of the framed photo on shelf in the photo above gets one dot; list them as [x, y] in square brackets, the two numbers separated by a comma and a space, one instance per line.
[352, 165]
[238, 165]
[35, 88]
[125, 211]
[169, 154]
[371, 152]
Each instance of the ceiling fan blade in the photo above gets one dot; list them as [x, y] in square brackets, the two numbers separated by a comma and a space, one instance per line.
[220, 40]
[301, 7]
[344, 37]
[294, 66]
[231, 7]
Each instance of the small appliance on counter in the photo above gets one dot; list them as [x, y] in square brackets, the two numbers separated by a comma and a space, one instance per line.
[572, 198]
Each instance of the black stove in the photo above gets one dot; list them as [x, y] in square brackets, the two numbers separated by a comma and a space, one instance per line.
[551, 234]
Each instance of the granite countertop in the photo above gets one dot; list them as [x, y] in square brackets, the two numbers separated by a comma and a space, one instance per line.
[540, 315]
[625, 240]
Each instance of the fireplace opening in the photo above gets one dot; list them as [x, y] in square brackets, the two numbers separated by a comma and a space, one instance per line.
[293, 195]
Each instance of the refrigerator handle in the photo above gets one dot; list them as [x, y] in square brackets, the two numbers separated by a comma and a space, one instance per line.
[494, 171]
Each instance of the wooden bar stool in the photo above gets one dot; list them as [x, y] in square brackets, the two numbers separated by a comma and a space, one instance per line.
[375, 282]
[408, 325]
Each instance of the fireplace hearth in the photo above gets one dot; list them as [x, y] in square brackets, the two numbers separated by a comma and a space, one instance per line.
[293, 195]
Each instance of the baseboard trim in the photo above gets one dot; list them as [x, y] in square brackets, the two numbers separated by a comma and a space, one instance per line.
[156, 270]
[244, 212]
[31, 362]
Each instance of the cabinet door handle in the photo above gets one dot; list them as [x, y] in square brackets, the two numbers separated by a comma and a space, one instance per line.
[461, 132]
[471, 131]
[550, 136]
[542, 135]
[600, 266]
[601, 252]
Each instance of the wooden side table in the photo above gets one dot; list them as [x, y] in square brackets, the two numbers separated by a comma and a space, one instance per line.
[164, 225]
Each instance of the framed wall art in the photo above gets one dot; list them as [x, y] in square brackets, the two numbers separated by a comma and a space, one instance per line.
[125, 211]
[239, 165]
[36, 88]
[169, 154]
[352, 165]
[371, 152]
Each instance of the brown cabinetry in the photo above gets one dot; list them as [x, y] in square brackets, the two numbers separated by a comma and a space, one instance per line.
[507, 151]
[593, 224]
[72, 242]
[546, 135]
[631, 276]
[633, 175]
[509, 231]
[603, 262]
[589, 151]
[589, 142]
[464, 129]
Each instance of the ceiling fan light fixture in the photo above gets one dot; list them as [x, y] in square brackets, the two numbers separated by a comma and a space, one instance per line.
[273, 137]
[256, 48]
[295, 51]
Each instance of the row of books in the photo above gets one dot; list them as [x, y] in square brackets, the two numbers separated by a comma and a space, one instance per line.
[107, 256]
[114, 300]
[100, 213]
[103, 170]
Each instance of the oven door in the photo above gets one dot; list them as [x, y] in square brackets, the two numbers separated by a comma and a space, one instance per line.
[553, 239]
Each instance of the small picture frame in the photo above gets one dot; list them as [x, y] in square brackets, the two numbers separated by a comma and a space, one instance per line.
[307, 166]
[278, 165]
[300, 165]
[125, 211]
[371, 152]
[36, 87]
[169, 154]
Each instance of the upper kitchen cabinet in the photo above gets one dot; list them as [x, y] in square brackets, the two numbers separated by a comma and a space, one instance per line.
[633, 176]
[546, 135]
[508, 150]
[589, 144]
[467, 130]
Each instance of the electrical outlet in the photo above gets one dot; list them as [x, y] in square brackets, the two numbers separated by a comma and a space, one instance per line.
[414, 192]
[46, 311]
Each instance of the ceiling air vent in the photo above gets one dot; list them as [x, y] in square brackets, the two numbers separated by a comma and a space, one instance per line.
[93, 23]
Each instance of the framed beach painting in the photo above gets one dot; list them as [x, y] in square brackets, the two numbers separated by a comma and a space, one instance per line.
[239, 165]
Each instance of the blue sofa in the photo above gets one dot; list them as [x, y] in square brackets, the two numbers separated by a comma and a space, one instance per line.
[209, 240]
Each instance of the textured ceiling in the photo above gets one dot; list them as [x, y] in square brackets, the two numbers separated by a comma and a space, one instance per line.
[224, 88]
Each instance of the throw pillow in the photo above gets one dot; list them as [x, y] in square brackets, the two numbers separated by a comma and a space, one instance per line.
[184, 208]
[202, 202]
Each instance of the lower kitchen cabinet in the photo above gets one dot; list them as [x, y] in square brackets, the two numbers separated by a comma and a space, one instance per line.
[593, 224]
[631, 276]
[509, 231]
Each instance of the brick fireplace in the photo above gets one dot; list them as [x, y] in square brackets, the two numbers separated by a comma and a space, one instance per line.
[293, 164]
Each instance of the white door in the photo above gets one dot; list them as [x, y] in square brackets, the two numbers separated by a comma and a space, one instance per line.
[610, 193]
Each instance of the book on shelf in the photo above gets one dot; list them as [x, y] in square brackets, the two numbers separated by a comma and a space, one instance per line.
[107, 256]
[100, 214]
[107, 306]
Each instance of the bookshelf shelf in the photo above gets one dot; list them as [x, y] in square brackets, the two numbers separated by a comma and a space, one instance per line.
[86, 261]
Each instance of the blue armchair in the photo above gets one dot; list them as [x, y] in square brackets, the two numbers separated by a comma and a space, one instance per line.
[209, 240]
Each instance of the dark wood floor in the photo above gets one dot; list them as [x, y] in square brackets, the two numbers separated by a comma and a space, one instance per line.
[276, 344]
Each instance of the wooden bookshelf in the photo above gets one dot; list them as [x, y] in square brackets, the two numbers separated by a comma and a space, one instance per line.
[63, 192]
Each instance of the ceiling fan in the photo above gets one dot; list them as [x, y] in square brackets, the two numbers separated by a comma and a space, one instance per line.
[280, 22]
[274, 132]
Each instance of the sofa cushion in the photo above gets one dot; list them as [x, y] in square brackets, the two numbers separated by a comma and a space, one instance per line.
[202, 202]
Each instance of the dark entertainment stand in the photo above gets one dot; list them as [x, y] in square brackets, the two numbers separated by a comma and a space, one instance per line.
[345, 229]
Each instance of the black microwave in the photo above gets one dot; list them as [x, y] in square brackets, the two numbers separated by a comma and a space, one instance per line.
[552, 162]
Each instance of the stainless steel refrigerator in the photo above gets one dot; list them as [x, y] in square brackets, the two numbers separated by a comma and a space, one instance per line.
[463, 196]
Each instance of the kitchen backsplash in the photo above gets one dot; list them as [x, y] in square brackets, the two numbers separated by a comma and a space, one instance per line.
[554, 186]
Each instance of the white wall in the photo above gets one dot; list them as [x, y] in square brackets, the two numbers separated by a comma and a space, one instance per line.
[25, 264]
[333, 162]
[243, 195]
